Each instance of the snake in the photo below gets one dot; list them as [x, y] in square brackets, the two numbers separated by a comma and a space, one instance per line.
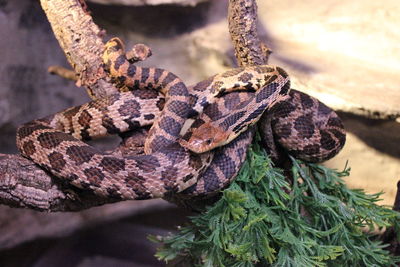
[56, 142]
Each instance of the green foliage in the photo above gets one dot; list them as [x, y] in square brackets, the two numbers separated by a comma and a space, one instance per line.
[265, 219]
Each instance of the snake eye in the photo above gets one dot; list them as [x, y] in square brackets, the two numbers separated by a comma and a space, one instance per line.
[209, 141]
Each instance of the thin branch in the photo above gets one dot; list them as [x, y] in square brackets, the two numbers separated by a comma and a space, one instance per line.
[63, 72]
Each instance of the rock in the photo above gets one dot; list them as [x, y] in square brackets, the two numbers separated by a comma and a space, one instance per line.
[346, 54]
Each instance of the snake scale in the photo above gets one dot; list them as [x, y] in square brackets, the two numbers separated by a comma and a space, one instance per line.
[152, 96]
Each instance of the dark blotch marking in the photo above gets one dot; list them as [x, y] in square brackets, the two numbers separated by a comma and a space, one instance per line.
[241, 153]
[145, 94]
[264, 69]
[197, 123]
[181, 109]
[306, 101]
[323, 110]
[169, 125]
[335, 122]
[327, 142]
[168, 79]
[132, 124]
[231, 72]
[304, 126]
[244, 103]
[28, 128]
[112, 164]
[157, 75]
[71, 112]
[226, 165]
[147, 163]
[174, 154]
[94, 175]
[201, 86]
[266, 92]
[108, 123]
[149, 117]
[282, 72]
[57, 161]
[131, 70]
[160, 142]
[195, 161]
[85, 134]
[216, 87]
[188, 177]
[213, 111]
[169, 178]
[187, 135]
[245, 77]
[231, 100]
[283, 109]
[178, 89]
[80, 154]
[285, 89]
[330, 155]
[193, 100]
[130, 108]
[340, 136]
[121, 81]
[232, 119]
[135, 182]
[283, 130]
[310, 151]
[211, 184]
[249, 120]
[119, 61]
[28, 148]
[53, 139]
[145, 75]
[160, 103]
[85, 118]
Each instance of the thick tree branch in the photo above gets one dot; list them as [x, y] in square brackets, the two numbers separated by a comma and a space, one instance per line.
[24, 184]
[80, 39]
[249, 50]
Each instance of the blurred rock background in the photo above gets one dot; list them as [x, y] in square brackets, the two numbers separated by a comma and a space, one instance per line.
[345, 53]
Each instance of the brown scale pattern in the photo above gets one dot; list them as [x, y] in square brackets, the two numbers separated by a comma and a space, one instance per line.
[167, 167]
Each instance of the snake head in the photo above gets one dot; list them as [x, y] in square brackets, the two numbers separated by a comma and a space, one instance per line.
[204, 138]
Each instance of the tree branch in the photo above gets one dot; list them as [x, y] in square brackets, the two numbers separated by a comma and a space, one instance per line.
[24, 184]
[242, 17]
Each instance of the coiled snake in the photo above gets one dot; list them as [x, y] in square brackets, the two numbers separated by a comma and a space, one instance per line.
[168, 166]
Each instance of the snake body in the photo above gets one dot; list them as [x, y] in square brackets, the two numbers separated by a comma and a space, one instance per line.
[55, 142]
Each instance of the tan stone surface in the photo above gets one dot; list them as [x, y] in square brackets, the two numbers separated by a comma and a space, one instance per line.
[344, 52]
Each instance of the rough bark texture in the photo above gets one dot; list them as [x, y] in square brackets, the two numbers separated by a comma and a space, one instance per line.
[80, 39]
[243, 30]
[23, 183]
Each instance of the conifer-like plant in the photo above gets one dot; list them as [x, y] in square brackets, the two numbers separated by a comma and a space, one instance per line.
[265, 219]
